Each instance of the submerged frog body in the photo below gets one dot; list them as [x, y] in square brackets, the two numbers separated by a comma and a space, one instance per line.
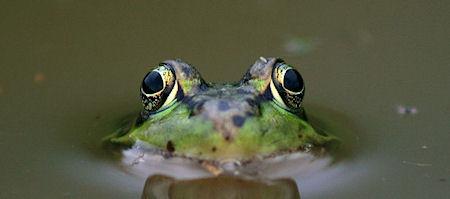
[259, 116]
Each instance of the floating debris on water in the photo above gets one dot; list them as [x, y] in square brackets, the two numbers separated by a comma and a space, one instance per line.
[39, 77]
[424, 147]
[419, 164]
[405, 110]
[300, 45]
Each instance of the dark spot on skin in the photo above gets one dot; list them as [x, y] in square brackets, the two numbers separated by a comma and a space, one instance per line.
[186, 70]
[238, 120]
[213, 149]
[223, 106]
[170, 147]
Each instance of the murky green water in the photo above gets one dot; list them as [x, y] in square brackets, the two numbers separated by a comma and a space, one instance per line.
[70, 71]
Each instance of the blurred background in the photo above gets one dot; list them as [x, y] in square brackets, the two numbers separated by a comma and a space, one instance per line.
[378, 70]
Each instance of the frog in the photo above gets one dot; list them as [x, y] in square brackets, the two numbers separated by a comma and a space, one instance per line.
[260, 116]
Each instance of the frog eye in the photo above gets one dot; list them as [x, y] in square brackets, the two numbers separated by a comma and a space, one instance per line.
[159, 88]
[287, 87]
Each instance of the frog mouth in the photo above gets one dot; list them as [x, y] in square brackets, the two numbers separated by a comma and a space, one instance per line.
[148, 160]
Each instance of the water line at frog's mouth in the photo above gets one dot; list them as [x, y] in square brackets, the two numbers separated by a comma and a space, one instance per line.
[145, 160]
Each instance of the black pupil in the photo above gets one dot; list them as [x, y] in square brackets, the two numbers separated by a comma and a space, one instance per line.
[293, 81]
[152, 83]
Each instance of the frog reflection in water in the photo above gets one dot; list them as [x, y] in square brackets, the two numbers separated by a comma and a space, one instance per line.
[260, 116]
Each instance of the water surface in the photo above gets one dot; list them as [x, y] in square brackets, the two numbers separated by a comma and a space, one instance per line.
[70, 72]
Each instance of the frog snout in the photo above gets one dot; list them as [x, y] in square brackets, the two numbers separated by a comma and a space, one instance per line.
[227, 116]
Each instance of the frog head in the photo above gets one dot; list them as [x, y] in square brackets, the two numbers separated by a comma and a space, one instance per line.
[259, 116]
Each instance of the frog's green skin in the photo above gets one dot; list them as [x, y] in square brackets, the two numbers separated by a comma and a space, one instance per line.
[237, 121]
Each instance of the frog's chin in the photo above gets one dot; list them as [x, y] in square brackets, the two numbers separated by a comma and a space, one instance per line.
[144, 160]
